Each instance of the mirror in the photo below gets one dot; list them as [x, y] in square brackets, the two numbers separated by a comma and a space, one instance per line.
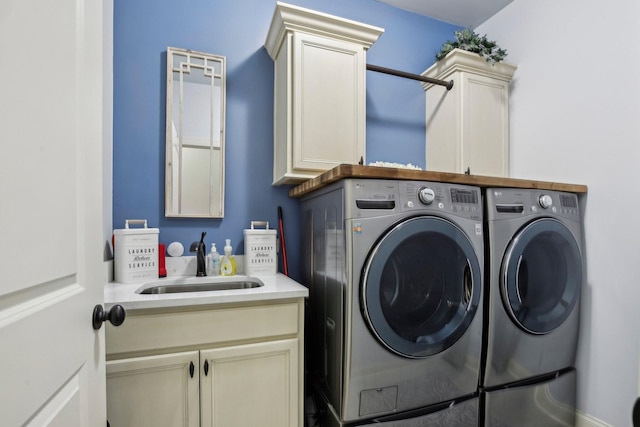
[194, 174]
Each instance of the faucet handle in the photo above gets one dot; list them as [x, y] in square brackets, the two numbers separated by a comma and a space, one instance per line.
[198, 246]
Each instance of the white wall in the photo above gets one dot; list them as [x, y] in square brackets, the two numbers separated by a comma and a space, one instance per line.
[575, 117]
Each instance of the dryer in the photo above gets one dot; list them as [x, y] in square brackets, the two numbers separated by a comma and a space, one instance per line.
[534, 280]
[395, 271]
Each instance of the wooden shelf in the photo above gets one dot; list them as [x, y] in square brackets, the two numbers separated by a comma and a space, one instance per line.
[375, 172]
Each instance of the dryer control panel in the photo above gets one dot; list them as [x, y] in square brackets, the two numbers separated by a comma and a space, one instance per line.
[508, 202]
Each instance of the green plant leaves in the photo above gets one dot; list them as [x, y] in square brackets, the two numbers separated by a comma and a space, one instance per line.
[469, 40]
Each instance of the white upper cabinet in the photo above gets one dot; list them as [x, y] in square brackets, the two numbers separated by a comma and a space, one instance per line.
[319, 91]
[468, 126]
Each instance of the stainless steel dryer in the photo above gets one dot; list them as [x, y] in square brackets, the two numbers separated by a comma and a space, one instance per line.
[535, 278]
[535, 271]
[394, 270]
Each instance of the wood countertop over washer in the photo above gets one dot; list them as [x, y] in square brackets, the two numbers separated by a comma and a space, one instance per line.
[377, 172]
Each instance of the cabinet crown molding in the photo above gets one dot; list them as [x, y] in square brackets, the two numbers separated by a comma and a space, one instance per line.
[465, 61]
[288, 18]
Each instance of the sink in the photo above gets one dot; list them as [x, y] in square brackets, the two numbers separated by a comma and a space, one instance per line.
[199, 284]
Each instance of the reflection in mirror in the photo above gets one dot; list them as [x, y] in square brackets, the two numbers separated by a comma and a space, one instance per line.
[194, 172]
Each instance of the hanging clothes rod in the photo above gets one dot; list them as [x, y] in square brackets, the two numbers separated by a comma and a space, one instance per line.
[406, 75]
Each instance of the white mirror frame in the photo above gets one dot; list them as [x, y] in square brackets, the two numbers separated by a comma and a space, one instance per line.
[196, 104]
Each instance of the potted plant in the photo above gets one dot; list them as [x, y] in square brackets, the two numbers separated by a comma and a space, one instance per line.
[469, 40]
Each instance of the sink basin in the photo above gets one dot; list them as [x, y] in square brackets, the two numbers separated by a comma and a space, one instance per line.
[199, 284]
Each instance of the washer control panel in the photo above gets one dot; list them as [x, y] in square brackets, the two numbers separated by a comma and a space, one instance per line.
[460, 200]
[374, 197]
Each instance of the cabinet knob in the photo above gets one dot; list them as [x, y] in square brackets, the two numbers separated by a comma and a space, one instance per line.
[116, 316]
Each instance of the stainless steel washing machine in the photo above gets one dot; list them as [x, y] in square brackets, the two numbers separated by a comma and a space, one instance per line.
[395, 271]
[535, 278]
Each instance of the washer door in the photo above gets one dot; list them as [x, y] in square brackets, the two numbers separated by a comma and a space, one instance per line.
[421, 286]
[541, 276]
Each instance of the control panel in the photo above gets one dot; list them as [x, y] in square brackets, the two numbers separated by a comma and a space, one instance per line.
[521, 202]
[455, 199]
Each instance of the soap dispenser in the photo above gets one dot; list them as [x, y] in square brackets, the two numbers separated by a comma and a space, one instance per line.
[228, 261]
[213, 261]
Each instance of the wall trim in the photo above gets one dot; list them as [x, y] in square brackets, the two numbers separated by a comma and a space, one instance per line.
[586, 420]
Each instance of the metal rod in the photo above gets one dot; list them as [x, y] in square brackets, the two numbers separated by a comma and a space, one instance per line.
[404, 74]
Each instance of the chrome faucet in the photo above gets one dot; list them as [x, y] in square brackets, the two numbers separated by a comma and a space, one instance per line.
[199, 249]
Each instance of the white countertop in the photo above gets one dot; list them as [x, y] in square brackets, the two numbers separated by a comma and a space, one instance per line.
[275, 287]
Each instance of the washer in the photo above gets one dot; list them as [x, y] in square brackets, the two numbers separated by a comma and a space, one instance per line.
[395, 271]
[535, 271]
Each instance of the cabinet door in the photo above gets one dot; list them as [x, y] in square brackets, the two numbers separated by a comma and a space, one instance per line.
[153, 391]
[485, 127]
[329, 103]
[251, 385]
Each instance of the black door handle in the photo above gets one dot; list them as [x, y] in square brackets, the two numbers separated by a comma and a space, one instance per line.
[116, 316]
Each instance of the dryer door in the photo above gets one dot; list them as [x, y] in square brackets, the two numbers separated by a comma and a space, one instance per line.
[421, 286]
[541, 276]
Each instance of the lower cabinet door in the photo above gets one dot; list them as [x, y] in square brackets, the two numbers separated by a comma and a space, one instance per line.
[250, 385]
[154, 391]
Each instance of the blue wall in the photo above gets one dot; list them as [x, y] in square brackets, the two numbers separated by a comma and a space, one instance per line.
[237, 29]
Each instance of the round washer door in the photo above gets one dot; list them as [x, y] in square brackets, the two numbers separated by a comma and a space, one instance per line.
[541, 276]
[421, 286]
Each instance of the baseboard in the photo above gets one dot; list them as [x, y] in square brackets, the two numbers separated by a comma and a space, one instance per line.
[586, 420]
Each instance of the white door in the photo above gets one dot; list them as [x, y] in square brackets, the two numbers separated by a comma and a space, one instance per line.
[51, 243]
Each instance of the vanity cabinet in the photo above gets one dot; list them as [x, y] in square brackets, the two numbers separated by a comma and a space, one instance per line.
[250, 385]
[154, 390]
[319, 91]
[224, 365]
[467, 127]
